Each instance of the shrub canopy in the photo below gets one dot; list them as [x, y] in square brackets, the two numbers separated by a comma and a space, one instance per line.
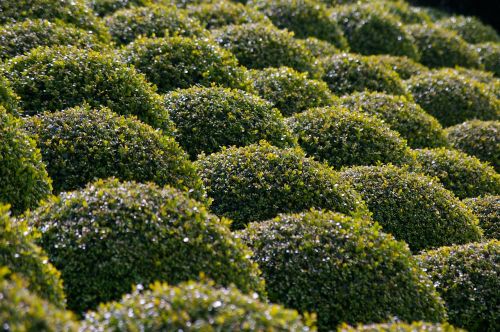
[471, 29]
[401, 327]
[487, 208]
[402, 65]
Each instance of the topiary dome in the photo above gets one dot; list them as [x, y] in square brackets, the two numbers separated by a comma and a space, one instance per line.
[487, 208]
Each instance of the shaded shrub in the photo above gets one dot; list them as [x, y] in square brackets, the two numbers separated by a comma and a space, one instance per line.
[471, 29]
[52, 79]
[453, 98]
[83, 144]
[194, 304]
[401, 327]
[331, 263]
[440, 47]
[344, 137]
[466, 276]
[403, 66]
[487, 208]
[289, 90]
[489, 56]
[319, 48]
[402, 10]
[460, 173]
[413, 207]
[402, 115]
[22, 173]
[108, 7]
[259, 45]
[259, 181]
[306, 18]
[180, 62]
[348, 73]
[111, 235]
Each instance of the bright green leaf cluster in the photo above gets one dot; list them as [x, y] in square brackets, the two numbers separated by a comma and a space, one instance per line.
[402, 65]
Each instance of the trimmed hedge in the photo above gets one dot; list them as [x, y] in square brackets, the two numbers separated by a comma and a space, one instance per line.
[440, 47]
[125, 25]
[208, 119]
[21, 256]
[402, 115]
[466, 276]
[471, 29]
[259, 45]
[290, 91]
[478, 138]
[306, 18]
[344, 137]
[82, 144]
[372, 31]
[460, 173]
[52, 79]
[401, 327]
[180, 62]
[413, 207]
[19, 38]
[318, 48]
[20, 310]
[489, 56]
[8, 99]
[453, 98]
[108, 7]
[491, 82]
[487, 208]
[347, 73]
[403, 66]
[345, 269]
[194, 306]
[24, 180]
[111, 235]
[259, 181]
[405, 13]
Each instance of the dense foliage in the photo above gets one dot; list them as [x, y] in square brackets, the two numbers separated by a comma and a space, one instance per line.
[489, 56]
[403, 66]
[8, 99]
[471, 29]
[400, 327]
[319, 48]
[487, 209]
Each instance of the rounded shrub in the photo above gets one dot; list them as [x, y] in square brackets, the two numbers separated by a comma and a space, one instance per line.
[258, 45]
[414, 207]
[344, 137]
[487, 208]
[347, 73]
[402, 115]
[52, 79]
[460, 173]
[319, 48]
[491, 82]
[108, 7]
[345, 269]
[471, 29]
[478, 138]
[402, 65]
[192, 304]
[111, 235]
[290, 91]
[489, 56]
[453, 98]
[21, 256]
[401, 327]
[306, 18]
[208, 119]
[259, 181]
[22, 173]
[402, 10]
[21, 310]
[466, 276]
[82, 144]
[372, 31]
[181, 62]
[125, 25]
[8, 99]
[440, 47]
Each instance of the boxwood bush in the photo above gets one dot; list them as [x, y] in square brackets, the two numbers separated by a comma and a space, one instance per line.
[453, 98]
[478, 138]
[471, 29]
[8, 99]
[82, 144]
[402, 65]
[398, 326]
[345, 269]
[344, 137]
[181, 62]
[414, 207]
[372, 31]
[125, 25]
[194, 304]
[108, 7]
[111, 235]
[208, 119]
[306, 18]
[402, 10]
[290, 91]
[491, 82]
[319, 48]
[52, 79]
[259, 45]
[347, 73]
[460, 173]
[441, 47]
[23, 175]
[489, 56]
[21, 310]
[466, 276]
[487, 208]
[259, 181]
[19, 38]
[402, 115]
[21, 256]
